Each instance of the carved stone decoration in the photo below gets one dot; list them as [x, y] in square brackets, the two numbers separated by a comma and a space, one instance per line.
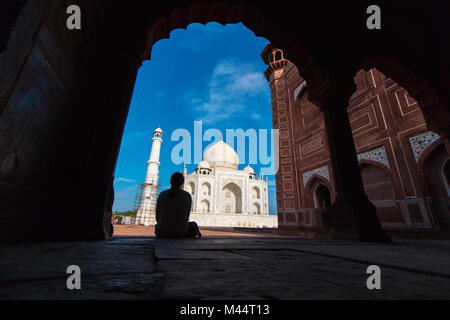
[322, 171]
[299, 89]
[377, 155]
[421, 142]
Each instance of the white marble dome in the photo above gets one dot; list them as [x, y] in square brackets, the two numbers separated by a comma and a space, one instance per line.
[248, 169]
[221, 155]
[204, 165]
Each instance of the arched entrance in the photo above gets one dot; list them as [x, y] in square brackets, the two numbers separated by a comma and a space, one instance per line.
[231, 198]
[190, 187]
[256, 208]
[436, 172]
[318, 200]
[206, 189]
[86, 78]
[204, 206]
[322, 197]
[255, 193]
[380, 191]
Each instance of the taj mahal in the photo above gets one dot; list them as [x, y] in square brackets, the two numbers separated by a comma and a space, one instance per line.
[222, 195]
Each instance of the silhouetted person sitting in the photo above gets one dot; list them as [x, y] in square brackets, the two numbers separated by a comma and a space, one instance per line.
[172, 212]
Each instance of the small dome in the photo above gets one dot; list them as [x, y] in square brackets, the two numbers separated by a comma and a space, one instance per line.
[248, 169]
[221, 155]
[204, 165]
[158, 130]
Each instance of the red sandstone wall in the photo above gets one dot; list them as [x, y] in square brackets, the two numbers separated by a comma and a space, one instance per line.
[383, 117]
[287, 188]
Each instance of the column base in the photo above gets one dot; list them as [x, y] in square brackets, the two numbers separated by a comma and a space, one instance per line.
[357, 221]
[343, 221]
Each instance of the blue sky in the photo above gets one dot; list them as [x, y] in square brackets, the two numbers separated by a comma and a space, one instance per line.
[212, 74]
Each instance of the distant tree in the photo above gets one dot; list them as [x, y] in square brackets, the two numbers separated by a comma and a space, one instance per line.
[129, 213]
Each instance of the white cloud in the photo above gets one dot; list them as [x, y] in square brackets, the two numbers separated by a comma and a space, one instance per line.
[120, 179]
[121, 196]
[255, 115]
[231, 86]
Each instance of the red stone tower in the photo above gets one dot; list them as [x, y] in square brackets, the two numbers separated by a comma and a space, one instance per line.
[279, 76]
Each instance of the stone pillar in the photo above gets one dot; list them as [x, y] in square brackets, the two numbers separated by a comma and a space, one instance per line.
[353, 216]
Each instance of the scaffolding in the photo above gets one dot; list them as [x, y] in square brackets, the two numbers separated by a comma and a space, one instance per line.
[145, 203]
[138, 197]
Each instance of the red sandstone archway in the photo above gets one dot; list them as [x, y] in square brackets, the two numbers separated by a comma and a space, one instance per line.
[380, 191]
[435, 169]
[309, 198]
[318, 199]
[300, 53]
[73, 132]
[322, 197]
[251, 16]
[433, 107]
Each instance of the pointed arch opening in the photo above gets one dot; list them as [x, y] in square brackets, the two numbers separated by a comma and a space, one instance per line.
[231, 197]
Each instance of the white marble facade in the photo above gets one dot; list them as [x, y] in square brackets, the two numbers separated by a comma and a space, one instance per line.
[223, 195]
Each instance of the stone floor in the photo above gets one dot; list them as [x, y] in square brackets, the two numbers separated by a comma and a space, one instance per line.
[240, 266]
[214, 232]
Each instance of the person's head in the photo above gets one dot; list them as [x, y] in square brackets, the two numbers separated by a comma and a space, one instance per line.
[177, 180]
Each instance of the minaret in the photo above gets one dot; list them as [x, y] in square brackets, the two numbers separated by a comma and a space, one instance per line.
[147, 210]
[278, 74]
[184, 171]
[153, 162]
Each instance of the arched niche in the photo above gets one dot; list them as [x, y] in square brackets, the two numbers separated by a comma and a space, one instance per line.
[190, 187]
[204, 206]
[322, 197]
[255, 193]
[379, 189]
[231, 196]
[255, 208]
[435, 170]
[206, 189]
